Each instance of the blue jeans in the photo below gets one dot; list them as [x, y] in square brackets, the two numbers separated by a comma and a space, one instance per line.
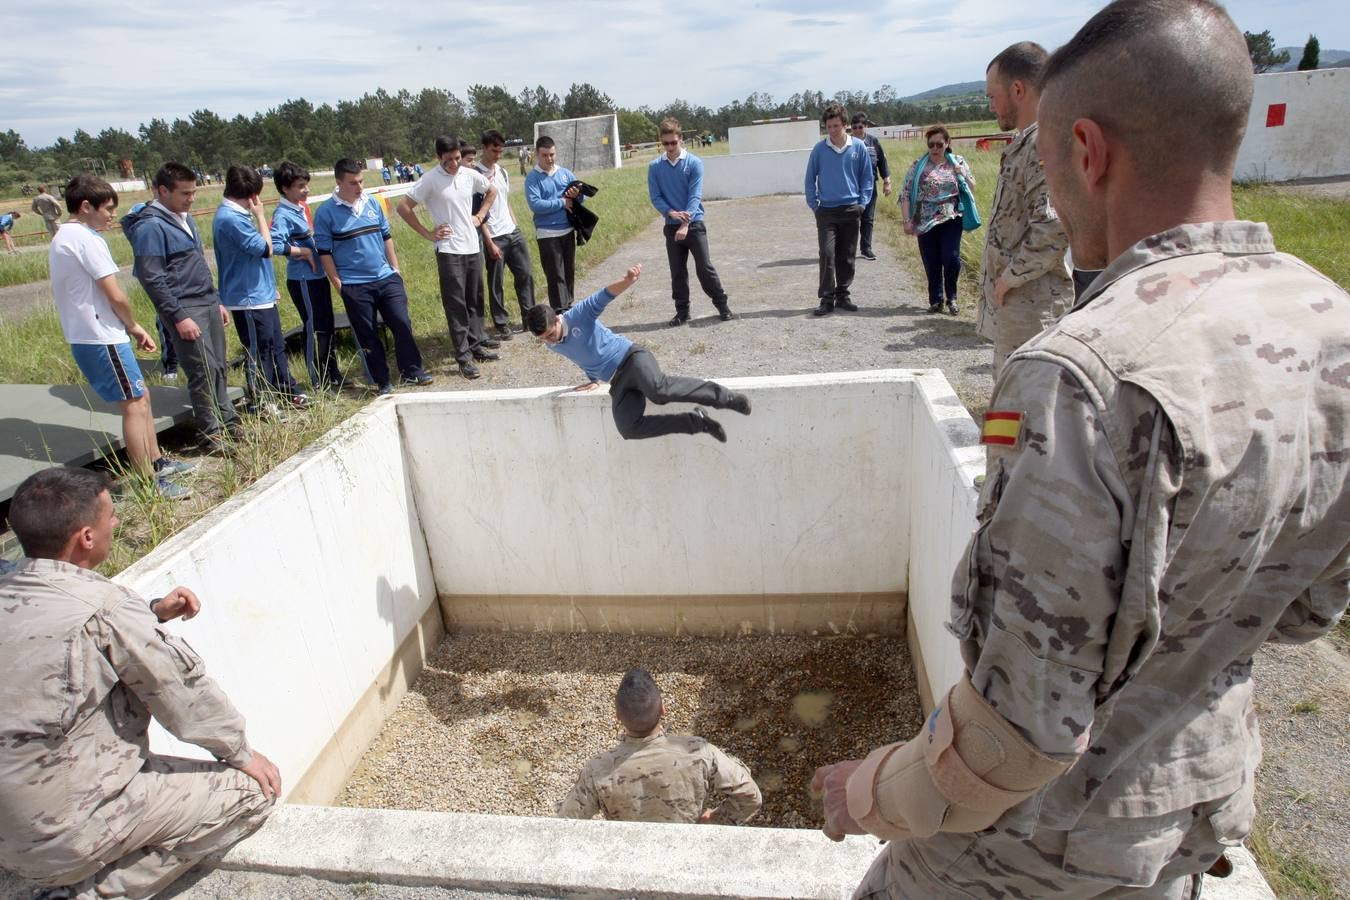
[940, 250]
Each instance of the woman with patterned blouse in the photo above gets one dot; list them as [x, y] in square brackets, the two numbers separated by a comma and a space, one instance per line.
[931, 208]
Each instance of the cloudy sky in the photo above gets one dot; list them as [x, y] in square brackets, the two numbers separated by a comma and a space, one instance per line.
[83, 64]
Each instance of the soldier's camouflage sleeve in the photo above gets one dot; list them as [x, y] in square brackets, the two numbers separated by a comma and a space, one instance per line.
[1033, 601]
[1042, 249]
[580, 802]
[169, 677]
[1317, 610]
[733, 779]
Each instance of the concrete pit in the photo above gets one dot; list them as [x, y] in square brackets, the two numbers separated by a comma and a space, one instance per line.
[502, 723]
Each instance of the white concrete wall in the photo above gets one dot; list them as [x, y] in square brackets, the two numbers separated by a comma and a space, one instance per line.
[809, 495]
[1313, 142]
[754, 175]
[946, 457]
[773, 136]
[584, 144]
[309, 582]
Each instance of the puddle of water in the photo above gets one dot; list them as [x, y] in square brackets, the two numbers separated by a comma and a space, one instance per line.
[812, 707]
[789, 744]
[769, 782]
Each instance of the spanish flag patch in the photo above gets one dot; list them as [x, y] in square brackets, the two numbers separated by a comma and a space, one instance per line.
[1002, 428]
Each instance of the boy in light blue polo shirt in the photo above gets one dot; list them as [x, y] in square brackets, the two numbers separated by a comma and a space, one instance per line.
[840, 180]
[633, 373]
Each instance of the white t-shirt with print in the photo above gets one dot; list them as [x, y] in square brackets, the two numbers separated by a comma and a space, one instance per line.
[77, 258]
[449, 199]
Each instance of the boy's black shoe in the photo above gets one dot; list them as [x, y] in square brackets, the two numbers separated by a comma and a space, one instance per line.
[711, 425]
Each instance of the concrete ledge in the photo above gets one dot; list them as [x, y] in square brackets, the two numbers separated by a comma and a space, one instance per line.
[575, 858]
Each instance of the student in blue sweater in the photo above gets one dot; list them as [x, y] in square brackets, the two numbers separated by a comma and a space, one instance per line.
[356, 250]
[839, 184]
[550, 199]
[633, 374]
[305, 281]
[675, 185]
[248, 289]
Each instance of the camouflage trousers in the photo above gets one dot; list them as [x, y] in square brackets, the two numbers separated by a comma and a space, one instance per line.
[188, 810]
[1160, 858]
[1025, 313]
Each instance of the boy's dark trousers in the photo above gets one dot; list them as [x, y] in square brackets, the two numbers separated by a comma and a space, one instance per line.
[516, 257]
[389, 299]
[639, 378]
[204, 362]
[837, 234]
[678, 253]
[265, 367]
[461, 277]
[558, 256]
[313, 297]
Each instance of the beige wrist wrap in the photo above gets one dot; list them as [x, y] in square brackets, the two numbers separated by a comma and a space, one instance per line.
[965, 769]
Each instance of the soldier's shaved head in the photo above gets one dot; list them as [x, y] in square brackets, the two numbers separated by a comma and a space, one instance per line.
[1170, 79]
[638, 702]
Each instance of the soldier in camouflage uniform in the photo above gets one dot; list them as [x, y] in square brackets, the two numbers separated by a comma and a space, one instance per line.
[1024, 282]
[1169, 493]
[84, 664]
[652, 776]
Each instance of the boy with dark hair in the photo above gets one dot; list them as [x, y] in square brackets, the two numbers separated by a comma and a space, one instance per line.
[447, 191]
[99, 324]
[307, 285]
[248, 289]
[633, 373]
[170, 263]
[840, 182]
[550, 197]
[503, 244]
[652, 776]
[356, 250]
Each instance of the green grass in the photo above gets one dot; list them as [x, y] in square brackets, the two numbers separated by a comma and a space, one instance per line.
[1290, 873]
[1315, 229]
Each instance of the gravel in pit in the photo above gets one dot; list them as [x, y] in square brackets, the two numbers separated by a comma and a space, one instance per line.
[502, 723]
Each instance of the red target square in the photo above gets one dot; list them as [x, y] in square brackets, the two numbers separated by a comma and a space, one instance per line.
[1275, 115]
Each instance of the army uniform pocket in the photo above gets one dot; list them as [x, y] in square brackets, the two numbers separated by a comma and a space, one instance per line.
[189, 663]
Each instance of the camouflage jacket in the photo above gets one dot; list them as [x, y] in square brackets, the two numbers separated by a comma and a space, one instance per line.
[1177, 496]
[662, 778]
[1024, 240]
[84, 664]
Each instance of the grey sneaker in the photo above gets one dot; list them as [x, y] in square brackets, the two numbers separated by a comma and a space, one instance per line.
[170, 490]
[168, 467]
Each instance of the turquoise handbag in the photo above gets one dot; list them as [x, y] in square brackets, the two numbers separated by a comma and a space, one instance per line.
[970, 213]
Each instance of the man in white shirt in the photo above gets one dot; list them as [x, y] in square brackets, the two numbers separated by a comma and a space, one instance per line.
[503, 244]
[447, 192]
[98, 323]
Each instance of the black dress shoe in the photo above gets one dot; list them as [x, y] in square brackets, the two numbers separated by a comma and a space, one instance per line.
[489, 343]
[846, 305]
[469, 370]
[503, 333]
[485, 355]
[868, 254]
[824, 309]
[419, 380]
[711, 425]
[725, 314]
[679, 320]
[739, 403]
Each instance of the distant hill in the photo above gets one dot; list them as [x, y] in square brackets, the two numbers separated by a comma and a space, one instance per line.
[949, 91]
[1327, 59]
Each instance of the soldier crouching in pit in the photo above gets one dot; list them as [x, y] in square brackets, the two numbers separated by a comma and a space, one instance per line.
[1168, 493]
[652, 776]
[84, 665]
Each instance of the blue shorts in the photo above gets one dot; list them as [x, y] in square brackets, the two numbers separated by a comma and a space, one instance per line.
[112, 370]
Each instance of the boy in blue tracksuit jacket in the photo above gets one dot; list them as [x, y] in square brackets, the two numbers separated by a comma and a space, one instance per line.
[675, 186]
[248, 288]
[633, 373]
[305, 281]
[550, 199]
[356, 250]
[170, 264]
[840, 179]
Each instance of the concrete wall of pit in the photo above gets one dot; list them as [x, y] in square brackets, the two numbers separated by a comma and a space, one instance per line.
[328, 583]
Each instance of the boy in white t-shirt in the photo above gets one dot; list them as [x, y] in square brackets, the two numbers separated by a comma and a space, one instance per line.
[447, 193]
[98, 323]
